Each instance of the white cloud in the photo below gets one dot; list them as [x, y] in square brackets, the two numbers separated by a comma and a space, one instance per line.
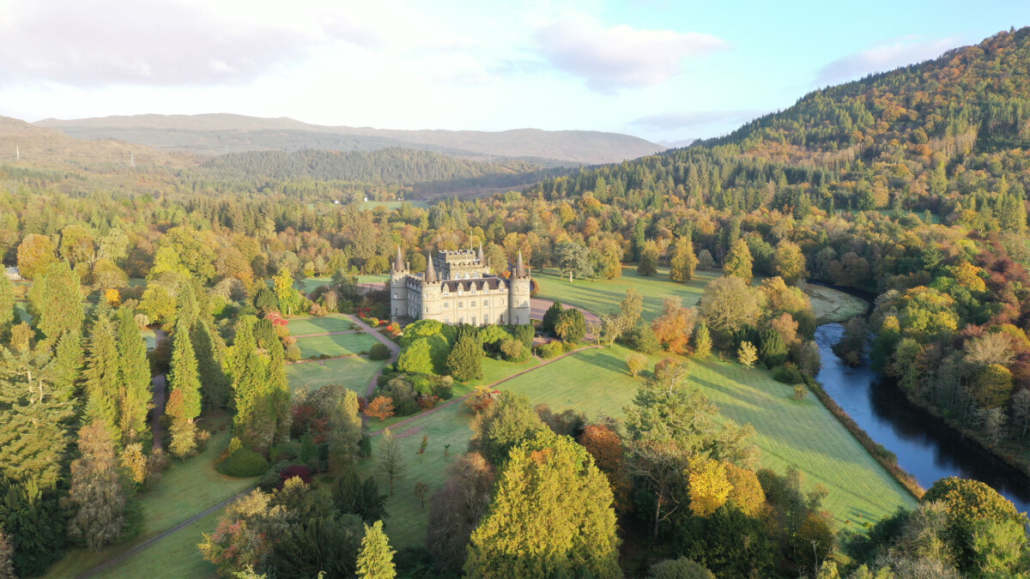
[883, 57]
[619, 57]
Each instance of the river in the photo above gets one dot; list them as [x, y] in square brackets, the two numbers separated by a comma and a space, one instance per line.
[925, 446]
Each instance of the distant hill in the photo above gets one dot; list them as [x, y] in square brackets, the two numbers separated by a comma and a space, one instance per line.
[31, 145]
[227, 133]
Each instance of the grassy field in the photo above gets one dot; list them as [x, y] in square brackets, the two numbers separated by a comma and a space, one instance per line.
[308, 285]
[354, 373]
[595, 382]
[150, 338]
[603, 296]
[175, 556]
[831, 305]
[186, 489]
[312, 325]
[338, 345]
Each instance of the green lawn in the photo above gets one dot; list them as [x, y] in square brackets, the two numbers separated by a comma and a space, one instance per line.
[595, 382]
[186, 489]
[407, 523]
[803, 434]
[313, 325]
[175, 556]
[338, 345]
[21, 309]
[354, 373]
[831, 305]
[603, 296]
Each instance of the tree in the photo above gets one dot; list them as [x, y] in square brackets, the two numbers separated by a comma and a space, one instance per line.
[702, 342]
[993, 386]
[789, 262]
[57, 301]
[747, 354]
[96, 490]
[288, 297]
[102, 377]
[7, 314]
[552, 516]
[635, 363]
[503, 425]
[570, 325]
[184, 400]
[708, 485]
[455, 511]
[681, 568]
[390, 463]
[684, 262]
[612, 327]
[738, 262]
[381, 407]
[352, 495]
[573, 260]
[632, 308]
[33, 522]
[465, 361]
[134, 379]
[674, 327]
[421, 489]
[245, 532]
[375, 560]
[648, 264]
[6, 557]
[968, 502]
[551, 318]
[1021, 409]
[35, 255]
[729, 304]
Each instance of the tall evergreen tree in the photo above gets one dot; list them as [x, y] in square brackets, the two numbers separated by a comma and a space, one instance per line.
[96, 490]
[57, 302]
[278, 386]
[208, 346]
[34, 524]
[250, 387]
[66, 367]
[465, 361]
[375, 560]
[6, 308]
[552, 516]
[135, 396]
[102, 376]
[184, 398]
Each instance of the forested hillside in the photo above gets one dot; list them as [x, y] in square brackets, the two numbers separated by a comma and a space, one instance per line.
[395, 166]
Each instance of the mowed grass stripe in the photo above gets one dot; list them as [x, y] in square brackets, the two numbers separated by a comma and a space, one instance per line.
[354, 373]
[603, 296]
[320, 325]
[336, 345]
[175, 556]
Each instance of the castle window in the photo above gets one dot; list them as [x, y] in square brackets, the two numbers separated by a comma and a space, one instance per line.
[486, 302]
[447, 304]
[472, 304]
[461, 304]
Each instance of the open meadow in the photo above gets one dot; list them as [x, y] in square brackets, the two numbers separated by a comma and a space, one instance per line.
[336, 345]
[354, 373]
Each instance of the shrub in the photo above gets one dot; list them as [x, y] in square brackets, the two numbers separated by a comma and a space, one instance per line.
[747, 355]
[799, 392]
[635, 364]
[379, 352]
[295, 470]
[551, 350]
[444, 388]
[281, 452]
[513, 350]
[292, 352]
[244, 463]
[788, 374]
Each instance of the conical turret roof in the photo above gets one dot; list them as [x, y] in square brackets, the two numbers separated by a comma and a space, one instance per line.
[398, 264]
[430, 271]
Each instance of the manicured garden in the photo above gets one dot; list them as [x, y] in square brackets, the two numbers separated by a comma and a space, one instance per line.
[187, 488]
[336, 345]
[354, 373]
[603, 296]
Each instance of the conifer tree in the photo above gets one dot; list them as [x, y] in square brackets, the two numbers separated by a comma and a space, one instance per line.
[250, 387]
[66, 367]
[375, 560]
[552, 516]
[96, 490]
[390, 463]
[135, 396]
[102, 376]
[6, 308]
[208, 346]
[184, 400]
[739, 262]
[465, 361]
[278, 385]
[551, 317]
[34, 523]
[6, 557]
[684, 262]
[57, 302]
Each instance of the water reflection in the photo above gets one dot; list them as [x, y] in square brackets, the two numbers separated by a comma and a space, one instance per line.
[925, 446]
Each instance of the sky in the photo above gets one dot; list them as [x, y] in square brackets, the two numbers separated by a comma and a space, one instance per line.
[663, 70]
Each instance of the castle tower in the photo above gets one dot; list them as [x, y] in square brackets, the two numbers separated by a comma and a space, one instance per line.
[398, 288]
[518, 294]
[432, 305]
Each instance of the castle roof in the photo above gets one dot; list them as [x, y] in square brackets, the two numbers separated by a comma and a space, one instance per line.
[430, 272]
[478, 284]
[398, 264]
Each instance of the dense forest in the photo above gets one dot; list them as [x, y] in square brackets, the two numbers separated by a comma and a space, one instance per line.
[910, 184]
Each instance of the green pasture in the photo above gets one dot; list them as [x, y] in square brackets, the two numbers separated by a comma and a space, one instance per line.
[311, 325]
[336, 345]
[308, 285]
[354, 373]
[187, 488]
[175, 556]
[603, 296]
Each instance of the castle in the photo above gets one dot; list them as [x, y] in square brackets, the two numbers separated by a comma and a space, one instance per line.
[457, 288]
